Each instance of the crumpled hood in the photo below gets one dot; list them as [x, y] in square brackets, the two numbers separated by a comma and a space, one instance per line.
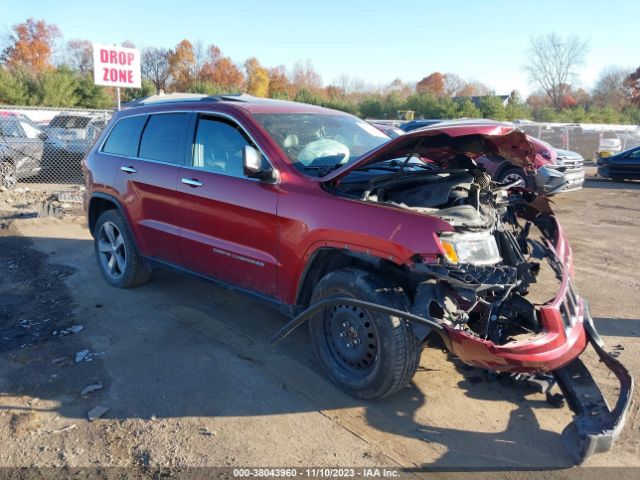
[440, 143]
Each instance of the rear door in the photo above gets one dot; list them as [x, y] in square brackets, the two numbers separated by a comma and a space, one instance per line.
[229, 227]
[147, 181]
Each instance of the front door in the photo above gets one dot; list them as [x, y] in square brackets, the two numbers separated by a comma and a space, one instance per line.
[229, 228]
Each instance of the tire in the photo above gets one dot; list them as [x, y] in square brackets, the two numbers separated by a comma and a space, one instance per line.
[8, 176]
[116, 252]
[384, 352]
[511, 174]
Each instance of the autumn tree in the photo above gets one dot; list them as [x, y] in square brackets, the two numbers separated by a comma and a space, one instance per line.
[432, 84]
[305, 77]
[611, 89]
[31, 46]
[220, 71]
[257, 78]
[278, 82]
[182, 63]
[552, 64]
[154, 66]
[633, 84]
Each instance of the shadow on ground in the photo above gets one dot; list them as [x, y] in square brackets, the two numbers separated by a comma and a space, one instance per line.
[178, 347]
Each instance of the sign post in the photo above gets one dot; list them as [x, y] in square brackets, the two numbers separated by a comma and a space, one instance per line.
[116, 67]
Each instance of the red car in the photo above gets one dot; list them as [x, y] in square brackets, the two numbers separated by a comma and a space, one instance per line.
[378, 244]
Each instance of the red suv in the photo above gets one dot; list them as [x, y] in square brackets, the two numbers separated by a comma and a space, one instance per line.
[378, 244]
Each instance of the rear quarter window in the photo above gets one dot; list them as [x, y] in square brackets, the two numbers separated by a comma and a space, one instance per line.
[163, 138]
[124, 136]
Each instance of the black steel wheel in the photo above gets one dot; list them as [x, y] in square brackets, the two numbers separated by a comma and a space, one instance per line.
[368, 354]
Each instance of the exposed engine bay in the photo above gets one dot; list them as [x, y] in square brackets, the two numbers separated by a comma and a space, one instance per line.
[502, 233]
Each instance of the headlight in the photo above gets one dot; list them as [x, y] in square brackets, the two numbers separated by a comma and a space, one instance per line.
[474, 248]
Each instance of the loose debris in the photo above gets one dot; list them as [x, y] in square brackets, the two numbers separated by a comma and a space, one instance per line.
[91, 388]
[96, 412]
[82, 355]
[68, 428]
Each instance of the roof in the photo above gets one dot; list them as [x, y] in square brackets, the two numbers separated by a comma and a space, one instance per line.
[247, 102]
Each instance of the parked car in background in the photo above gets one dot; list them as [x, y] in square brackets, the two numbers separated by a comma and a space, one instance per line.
[610, 144]
[503, 171]
[415, 124]
[571, 165]
[69, 136]
[389, 129]
[623, 166]
[21, 147]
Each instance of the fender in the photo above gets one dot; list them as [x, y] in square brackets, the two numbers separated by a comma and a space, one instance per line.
[356, 253]
[105, 196]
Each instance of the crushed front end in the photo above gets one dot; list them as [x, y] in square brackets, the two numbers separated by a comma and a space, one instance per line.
[503, 290]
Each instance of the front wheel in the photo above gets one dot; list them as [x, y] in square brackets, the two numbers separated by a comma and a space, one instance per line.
[368, 354]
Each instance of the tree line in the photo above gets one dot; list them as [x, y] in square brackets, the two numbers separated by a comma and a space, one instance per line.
[32, 74]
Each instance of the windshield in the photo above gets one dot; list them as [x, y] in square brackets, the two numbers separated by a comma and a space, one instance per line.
[316, 144]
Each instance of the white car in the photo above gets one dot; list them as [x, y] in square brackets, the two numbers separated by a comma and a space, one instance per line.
[610, 144]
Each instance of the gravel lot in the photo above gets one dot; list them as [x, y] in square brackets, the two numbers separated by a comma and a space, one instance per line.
[189, 379]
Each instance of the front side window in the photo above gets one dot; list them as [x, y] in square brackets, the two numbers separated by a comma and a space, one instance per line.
[123, 138]
[163, 138]
[218, 147]
[317, 143]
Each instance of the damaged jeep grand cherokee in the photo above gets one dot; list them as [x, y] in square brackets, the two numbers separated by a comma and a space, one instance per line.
[379, 245]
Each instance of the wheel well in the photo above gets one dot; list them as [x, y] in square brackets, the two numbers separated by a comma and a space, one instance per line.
[97, 207]
[326, 260]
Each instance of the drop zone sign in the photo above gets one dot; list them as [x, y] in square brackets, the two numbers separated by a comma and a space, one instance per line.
[116, 66]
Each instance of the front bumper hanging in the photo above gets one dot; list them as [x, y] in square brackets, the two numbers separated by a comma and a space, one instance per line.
[595, 426]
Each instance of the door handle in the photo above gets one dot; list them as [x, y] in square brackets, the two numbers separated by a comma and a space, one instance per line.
[192, 182]
[128, 169]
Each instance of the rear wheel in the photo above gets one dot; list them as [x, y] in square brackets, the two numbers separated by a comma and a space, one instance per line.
[8, 177]
[116, 252]
[368, 354]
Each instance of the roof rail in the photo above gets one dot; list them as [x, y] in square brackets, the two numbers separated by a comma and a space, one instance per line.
[186, 97]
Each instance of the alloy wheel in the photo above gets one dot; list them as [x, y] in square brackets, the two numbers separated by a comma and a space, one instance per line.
[111, 250]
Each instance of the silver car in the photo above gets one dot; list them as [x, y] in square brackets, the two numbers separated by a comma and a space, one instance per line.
[571, 165]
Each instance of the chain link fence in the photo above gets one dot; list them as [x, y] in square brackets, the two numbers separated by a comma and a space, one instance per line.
[585, 139]
[44, 146]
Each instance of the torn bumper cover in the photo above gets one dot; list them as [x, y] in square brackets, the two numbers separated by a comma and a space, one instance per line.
[595, 426]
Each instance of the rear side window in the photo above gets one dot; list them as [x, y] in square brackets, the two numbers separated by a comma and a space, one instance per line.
[69, 121]
[123, 138]
[163, 138]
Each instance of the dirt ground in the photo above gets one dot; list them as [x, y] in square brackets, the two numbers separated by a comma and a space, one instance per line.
[189, 379]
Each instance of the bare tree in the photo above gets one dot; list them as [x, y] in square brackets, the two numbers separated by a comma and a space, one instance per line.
[552, 64]
[155, 66]
[611, 89]
[79, 55]
[453, 84]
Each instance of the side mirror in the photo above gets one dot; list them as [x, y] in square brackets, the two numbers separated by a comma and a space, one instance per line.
[254, 164]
